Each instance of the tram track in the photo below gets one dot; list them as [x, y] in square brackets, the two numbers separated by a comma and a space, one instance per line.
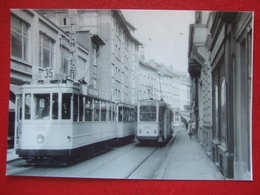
[140, 164]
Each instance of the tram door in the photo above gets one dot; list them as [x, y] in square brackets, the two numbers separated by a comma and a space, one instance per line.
[18, 118]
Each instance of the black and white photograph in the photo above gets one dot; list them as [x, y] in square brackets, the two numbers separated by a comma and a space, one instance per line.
[131, 94]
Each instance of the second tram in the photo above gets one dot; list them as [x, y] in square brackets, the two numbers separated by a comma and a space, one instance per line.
[154, 121]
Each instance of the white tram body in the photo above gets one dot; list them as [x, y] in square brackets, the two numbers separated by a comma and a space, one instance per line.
[65, 120]
[154, 121]
[126, 121]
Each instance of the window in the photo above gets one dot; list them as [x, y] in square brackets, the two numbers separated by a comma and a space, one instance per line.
[88, 109]
[94, 82]
[75, 107]
[114, 112]
[147, 113]
[110, 110]
[81, 108]
[223, 111]
[120, 114]
[216, 112]
[19, 39]
[66, 105]
[42, 106]
[103, 111]
[81, 69]
[27, 113]
[96, 110]
[46, 55]
[161, 114]
[65, 61]
[19, 107]
[55, 106]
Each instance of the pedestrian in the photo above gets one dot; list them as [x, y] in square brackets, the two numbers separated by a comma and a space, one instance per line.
[190, 133]
[190, 129]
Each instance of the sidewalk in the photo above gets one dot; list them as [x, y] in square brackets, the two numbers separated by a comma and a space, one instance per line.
[187, 160]
[11, 155]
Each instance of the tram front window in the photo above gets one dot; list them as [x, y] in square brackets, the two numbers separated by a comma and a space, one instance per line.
[42, 106]
[55, 106]
[148, 113]
[66, 105]
[27, 113]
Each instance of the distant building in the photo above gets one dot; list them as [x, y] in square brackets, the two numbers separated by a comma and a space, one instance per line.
[220, 66]
[157, 81]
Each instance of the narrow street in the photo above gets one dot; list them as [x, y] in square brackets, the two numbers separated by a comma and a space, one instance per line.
[176, 160]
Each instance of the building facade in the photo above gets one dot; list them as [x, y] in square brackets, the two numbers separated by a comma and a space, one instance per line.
[220, 64]
[113, 49]
[156, 81]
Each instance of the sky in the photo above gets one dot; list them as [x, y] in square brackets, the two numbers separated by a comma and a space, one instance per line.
[164, 34]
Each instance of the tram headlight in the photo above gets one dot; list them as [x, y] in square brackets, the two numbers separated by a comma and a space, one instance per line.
[40, 138]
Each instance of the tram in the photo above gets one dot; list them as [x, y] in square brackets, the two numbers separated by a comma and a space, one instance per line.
[154, 121]
[126, 123]
[66, 120]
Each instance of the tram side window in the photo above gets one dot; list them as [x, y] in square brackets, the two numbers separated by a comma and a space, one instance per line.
[88, 109]
[19, 107]
[96, 110]
[81, 108]
[55, 106]
[161, 114]
[131, 115]
[76, 107]
[103, 111]
[147, 113]
[27, 106]
[114, 112]
[110, 110]
[120, 114]
[126, 114]
[66, 105]
[42, 106]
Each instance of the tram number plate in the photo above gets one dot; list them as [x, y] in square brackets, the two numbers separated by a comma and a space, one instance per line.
[48, 73]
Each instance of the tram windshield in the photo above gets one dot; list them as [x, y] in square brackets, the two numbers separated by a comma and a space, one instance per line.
[148, 113]
[42, 106]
